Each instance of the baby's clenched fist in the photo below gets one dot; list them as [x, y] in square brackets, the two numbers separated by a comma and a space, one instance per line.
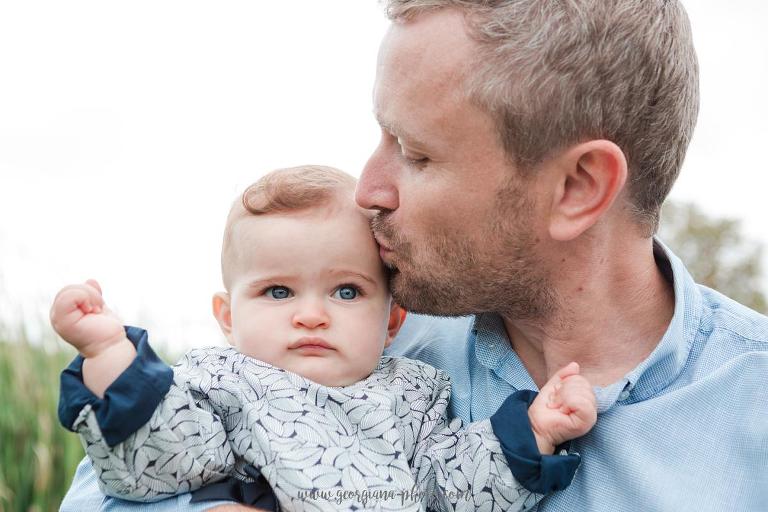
[564, 409]
[81, 318]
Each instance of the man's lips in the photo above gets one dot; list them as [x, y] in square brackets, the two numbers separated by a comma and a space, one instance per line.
[311, 343]
[380, 240]
[384, 249]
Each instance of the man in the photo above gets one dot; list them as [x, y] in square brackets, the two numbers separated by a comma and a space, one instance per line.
[526, 150]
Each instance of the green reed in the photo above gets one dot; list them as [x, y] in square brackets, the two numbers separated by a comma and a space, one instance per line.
[38, 457]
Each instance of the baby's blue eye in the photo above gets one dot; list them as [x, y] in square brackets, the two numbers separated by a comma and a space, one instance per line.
[278, 292]
[346, 292]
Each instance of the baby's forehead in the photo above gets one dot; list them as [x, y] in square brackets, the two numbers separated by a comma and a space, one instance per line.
[337, 213]
[328, 225]
[312, 242]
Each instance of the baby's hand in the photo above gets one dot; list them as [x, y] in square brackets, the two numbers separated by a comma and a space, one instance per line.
[564, 409]
[80, 316]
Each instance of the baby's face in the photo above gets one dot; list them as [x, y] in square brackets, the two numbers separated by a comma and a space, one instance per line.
[309, 294]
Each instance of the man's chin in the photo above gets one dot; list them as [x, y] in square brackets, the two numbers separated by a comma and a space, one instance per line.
[397, 285]
[416, 297]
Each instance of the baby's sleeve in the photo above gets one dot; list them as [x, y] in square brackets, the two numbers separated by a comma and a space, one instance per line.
[486, 465]
[154, 434]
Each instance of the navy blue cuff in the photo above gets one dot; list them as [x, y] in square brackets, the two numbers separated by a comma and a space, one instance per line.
[129, 402]
[538, 473]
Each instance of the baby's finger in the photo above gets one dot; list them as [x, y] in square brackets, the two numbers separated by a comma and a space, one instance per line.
[96, 298]
[563, 373]
[577, 383]
[554, 401]
[95, 284]
[79, 296]
[65, 293]
[69, 299]
[69, 308]
[95, 301]
[577, 397]
[566, 371]
[582, 413]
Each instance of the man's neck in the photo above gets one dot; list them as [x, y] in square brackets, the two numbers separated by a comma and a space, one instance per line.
[613, 311]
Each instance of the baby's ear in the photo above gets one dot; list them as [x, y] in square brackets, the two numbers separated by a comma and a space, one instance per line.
[396, 319]
[222, 311]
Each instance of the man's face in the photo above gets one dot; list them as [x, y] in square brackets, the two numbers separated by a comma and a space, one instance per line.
[309, 293]
[455, 219]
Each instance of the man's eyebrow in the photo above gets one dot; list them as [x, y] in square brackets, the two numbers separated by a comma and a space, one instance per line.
[398, 132]
[384, 124]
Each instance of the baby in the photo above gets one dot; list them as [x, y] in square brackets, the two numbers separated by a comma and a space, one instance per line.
[305, 398]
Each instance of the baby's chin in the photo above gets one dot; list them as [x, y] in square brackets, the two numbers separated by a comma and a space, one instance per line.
[325, 372]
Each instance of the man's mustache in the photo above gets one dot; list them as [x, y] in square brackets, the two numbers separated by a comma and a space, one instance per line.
[382, 226]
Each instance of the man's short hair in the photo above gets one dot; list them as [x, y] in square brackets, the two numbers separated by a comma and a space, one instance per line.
[286, 190]
[556, 73]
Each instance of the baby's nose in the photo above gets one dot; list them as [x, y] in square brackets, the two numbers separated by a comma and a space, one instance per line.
[311, 314]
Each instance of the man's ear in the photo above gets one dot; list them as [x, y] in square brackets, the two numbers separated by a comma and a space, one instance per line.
[591, 176]
[222, 310]
[396, 319]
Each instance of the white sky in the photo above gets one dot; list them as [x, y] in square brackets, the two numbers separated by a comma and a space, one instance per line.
[127, 128]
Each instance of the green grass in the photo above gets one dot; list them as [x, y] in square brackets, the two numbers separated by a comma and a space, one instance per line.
[37, 455]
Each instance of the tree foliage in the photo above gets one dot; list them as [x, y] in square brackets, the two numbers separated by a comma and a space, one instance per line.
[716, 252]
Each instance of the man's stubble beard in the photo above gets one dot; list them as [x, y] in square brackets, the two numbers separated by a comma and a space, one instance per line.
[447, 275]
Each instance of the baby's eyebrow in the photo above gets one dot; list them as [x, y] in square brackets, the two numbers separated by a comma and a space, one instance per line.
[262, 281]
[352, 273]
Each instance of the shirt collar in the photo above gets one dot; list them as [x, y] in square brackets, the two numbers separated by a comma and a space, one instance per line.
[670, 356]
[493, 349]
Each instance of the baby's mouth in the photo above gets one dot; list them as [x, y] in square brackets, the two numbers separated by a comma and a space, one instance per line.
[311, 343]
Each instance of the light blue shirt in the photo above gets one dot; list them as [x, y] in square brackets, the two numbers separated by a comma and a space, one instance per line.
[686, 430]
[85, 496]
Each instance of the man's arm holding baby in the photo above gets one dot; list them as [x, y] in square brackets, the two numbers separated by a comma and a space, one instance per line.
[506, 461]
[85, 494]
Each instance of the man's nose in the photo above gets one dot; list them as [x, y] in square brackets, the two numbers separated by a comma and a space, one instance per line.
[377, 186]
[311, 314]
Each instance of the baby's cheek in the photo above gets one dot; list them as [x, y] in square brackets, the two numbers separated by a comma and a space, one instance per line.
[369, 361]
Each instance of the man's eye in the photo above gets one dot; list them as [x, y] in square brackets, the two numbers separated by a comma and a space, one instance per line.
[414, 160]
[346, 292]
[410, 159]
[417, 161]
[278, 292]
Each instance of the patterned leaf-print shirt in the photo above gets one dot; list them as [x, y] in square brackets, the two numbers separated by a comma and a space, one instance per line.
[384, 443]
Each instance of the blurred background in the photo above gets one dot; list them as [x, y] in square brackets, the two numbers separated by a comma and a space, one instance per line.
[127, 129]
